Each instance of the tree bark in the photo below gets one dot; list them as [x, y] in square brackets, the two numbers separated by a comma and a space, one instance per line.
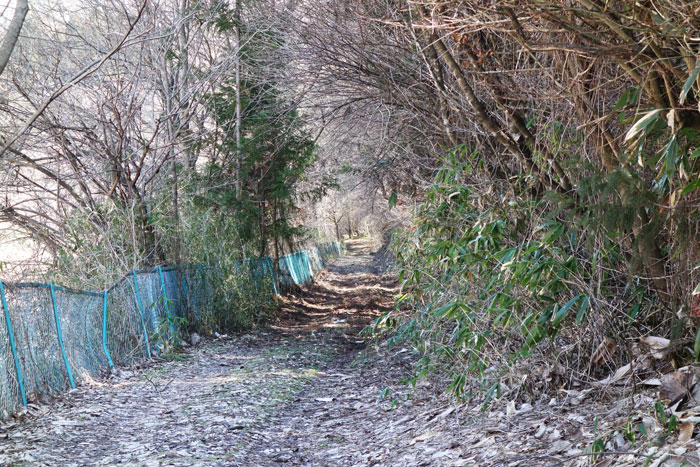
[239, 158]
[10, 40]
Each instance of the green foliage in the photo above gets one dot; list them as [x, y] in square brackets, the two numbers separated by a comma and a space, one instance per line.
[169, 335]
[212, 236]
[241, 205]
[597, 447]
[492, 270]
[491, 275]
[269, 164]
[106, 240]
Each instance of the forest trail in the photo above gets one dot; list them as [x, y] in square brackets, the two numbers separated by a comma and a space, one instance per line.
[257, 399]
[302, 391]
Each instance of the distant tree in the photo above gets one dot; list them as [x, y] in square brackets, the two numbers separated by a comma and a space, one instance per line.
[266, 165]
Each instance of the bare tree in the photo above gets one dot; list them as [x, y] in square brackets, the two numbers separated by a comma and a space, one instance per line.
[93, 146]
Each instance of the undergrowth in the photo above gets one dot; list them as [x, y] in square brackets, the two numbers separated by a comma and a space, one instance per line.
[502, 289]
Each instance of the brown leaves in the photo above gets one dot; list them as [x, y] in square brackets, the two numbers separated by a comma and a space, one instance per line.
[617, 377]
[604, 352]
[685, 431]
[658, 345]
[674, 386]
[655, 342]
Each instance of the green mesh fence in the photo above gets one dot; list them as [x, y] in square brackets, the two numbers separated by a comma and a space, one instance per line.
[52, 337]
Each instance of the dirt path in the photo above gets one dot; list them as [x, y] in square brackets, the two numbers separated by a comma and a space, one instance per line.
[305, 391]
[227, 402]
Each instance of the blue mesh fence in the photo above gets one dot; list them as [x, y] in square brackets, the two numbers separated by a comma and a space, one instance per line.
[52, 337]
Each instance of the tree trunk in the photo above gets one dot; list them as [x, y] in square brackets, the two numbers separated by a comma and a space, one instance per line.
[10, 40]
[239, 158]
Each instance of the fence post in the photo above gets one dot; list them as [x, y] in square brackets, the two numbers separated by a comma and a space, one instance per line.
[60, 336]
[300, 266]
[185, 295]
[162, 288]
[297, 268]
[140, 307]
[13, 346]
[253, 272]
[292, 270]
[165, 299]
[307, 265]
[104, 332]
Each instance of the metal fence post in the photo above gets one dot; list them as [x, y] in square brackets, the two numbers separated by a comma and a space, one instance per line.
[273, 276]
[165, 299]
[306, 260]
[104, 332]
[13, 346]
[184, 289]
[162, 288]
[290, 265]
[60, 336]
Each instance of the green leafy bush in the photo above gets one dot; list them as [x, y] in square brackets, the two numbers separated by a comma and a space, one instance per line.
[494, 278]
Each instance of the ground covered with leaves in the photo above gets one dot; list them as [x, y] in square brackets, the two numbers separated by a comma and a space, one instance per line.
[305, 390]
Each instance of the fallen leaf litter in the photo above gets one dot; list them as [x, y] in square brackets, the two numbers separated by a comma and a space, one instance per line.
[305, 391]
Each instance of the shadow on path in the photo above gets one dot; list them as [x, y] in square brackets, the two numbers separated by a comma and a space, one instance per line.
[349, 295]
